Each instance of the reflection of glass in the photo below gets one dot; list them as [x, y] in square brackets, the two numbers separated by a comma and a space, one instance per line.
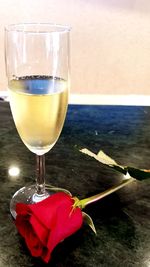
[37, 65]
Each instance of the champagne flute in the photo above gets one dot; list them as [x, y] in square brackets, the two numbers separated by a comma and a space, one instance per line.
[37, 67]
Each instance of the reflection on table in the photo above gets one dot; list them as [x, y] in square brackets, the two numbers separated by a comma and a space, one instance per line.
[121, 219]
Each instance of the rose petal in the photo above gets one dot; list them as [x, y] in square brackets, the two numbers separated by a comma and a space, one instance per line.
[45, 210]
[22, 224]
[33, 244]
[25, 229]
[67, 222]
[45, 224]
[40, 230]
[22, 209]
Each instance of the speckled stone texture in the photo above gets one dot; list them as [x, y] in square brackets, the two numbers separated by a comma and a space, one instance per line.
[122, 220]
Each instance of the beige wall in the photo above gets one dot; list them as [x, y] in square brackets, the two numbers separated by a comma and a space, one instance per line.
[110, 41]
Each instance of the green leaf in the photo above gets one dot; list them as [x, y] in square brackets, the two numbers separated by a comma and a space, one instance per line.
[139, 174]
[106, 159]
[89, 221]
[103, 158]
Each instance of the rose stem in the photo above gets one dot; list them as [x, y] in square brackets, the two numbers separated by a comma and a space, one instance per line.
[89, 200]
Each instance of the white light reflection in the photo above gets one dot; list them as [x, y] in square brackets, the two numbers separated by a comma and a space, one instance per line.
[147, 260]
[127, 176]
[13, 171]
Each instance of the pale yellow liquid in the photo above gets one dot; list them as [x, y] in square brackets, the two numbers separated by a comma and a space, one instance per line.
[39, 118]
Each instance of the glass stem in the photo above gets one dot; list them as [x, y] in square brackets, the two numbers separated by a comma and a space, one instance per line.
[40, 174]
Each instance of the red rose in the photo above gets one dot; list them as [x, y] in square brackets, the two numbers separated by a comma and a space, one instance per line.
[43, 225]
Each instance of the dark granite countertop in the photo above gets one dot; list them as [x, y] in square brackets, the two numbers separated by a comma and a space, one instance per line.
[122, 220]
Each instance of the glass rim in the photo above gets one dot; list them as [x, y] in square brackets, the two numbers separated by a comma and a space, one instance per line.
[37, 28]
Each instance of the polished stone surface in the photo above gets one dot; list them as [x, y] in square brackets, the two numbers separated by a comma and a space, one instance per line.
[122, 220]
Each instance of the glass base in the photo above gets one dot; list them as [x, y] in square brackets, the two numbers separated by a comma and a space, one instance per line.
[28, 195]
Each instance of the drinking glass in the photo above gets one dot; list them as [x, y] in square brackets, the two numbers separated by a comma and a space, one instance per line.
[37, 68]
